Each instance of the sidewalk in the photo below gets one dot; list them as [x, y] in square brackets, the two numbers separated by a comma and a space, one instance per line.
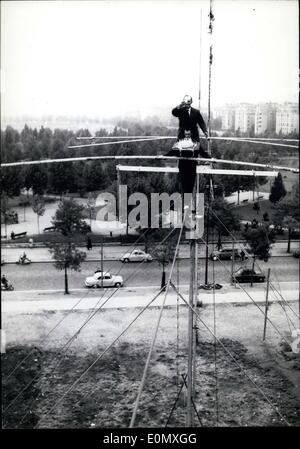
[114, 252]
[83, 299]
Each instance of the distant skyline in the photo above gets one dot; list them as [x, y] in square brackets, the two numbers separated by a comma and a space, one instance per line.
[107, 58]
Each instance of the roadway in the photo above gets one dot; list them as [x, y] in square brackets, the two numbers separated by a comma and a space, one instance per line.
[44, 277]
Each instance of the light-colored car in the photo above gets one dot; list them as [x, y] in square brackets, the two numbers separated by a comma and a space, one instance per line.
[136, 255]
[226, 254]
[109, 280]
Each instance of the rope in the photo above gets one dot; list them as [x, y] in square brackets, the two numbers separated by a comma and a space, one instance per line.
[254, 302]
[99, 357]
[215, 345]
[100, 144]
[156, 330]
[242, 246]
[176, 400]
[69, 342]
[234, 359]
[132, 248]
[255, 141]
[177, 329]
[175, 137]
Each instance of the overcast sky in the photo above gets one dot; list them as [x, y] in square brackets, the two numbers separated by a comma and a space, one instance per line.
[100, 58]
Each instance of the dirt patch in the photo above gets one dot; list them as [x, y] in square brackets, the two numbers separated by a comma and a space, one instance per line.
[106, 394]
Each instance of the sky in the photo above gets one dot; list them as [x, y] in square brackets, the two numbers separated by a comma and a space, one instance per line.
[100, 58]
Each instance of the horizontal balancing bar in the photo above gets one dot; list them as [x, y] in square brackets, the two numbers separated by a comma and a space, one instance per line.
[200, 169]
[254, 141]
[158, 158]
[117, 141]
[175, 137]
[146, 138]
[126, 137]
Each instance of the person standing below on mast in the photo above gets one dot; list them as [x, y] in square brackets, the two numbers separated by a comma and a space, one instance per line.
[188, 143]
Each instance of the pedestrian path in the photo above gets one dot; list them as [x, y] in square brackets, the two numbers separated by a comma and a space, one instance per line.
[82, 299]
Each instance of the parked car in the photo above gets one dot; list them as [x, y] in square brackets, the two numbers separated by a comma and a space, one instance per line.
[248, 275]
[136, 255]
[109, 280]
[226, 254]
[296, 254]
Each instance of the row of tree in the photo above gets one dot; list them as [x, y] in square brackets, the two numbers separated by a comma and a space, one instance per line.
[87, 176]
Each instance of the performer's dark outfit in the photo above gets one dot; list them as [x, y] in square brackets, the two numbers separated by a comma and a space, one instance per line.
[189, 119]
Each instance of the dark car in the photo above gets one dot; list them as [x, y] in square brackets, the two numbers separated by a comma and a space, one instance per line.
[226, 254]
[248, 275]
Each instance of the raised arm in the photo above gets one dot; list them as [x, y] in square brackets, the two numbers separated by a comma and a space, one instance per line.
[176, 111]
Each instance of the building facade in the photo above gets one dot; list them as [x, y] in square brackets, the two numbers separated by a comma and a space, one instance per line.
[227, 115]
[265, 118]
[261, 118]
[244, 117]
[287, 118]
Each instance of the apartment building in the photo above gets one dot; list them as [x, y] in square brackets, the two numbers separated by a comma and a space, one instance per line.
[265, 118]
[227, 115]
[287, 118]
[244, 117]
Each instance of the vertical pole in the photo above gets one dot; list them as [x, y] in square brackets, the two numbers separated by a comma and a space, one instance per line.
[102, 261]
[118, 194]
[253, 262]
[195, 299]
[266, 304]
[206, 249]
[200, 62]
[189, 411]
[232, 264]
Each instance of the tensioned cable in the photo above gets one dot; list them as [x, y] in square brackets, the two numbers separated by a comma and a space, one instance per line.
[117, 141]
[256, 141]
[67, 344]
[158, 157]
[74, 383]
[70, 341]
[215, 346]
[131, 248]
[279, 302]
[211, 195]
[234, 359]
[289, 320]
[126, 137]
[133, 417]
[46, 336]
[254, 302]
[243, 247]
[99, 357]
[175, 137]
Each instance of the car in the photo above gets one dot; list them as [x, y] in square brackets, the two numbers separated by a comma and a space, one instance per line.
[248, 275]
[109, 280]
[296, 254]
[136, 255]
[226, 254]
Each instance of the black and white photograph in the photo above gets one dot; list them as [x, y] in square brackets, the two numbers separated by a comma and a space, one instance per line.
[150, 218]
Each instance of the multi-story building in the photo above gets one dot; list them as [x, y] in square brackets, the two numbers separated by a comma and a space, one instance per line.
[265, 118]
[227, 115]
[287, 118]
[244, 117]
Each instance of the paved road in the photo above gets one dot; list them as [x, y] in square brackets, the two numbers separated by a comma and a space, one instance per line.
[43, 276]
[11, 253]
